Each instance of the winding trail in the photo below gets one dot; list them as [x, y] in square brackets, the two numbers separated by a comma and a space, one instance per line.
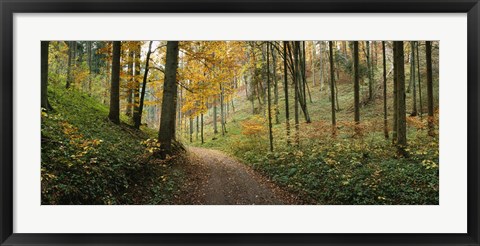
[215, 178]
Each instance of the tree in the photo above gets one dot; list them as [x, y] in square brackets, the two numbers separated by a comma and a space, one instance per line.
[401, 111]
[269, 106]
[89, 62]
[136, 86]
[166, 133]
[332, 87]
[114, 114]
[428, 52]
[285, 88]
[395, 100]
[275, 84]
[138, 120]
[369, 71]
[356, 82]
[385, 116]
[131, 83]
[44, 75]
[419, 80]
[412, 78]
[69, 66]
[297, 93]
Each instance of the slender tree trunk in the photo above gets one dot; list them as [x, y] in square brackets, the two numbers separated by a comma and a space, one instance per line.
[130, 77]
[296, 99]
[197, 127]
[107, 78]
[201, 128]
[356, 85]
[385, 119]
[222, 110]
[215, 129]
[136, 86]
[428, 53]
[138, 122]
[179, 120]
[412, 77]
[313, 62]
[275, 85]
[369, 71]
[166, 133]
[269, 106]
[395, 94]
[44, 75]
[401, 118]
[320, 73]
[114, 114]
[332, 87]
[336, 95]
[69, 67]
[419, 81]
[285, 87]
[191, 129]
[89, 62]
[300, 73]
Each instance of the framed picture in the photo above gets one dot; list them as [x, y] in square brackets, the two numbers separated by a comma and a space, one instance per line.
[262, 123]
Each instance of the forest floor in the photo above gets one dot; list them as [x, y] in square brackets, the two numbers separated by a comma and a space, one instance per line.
[214, 178]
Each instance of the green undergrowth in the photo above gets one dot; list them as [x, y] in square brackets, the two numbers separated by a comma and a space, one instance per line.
[347, 169]
[86, 159]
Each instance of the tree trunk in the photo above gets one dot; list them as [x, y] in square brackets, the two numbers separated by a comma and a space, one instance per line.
[285, 87]
[395, 94]
[269, 104]
[69, 67]
[166, 132]
[313, 63]
[222, 110]
[44, 75]
[356, 84]
[369, 71]
[136, 86]
[419, 80]
[297, 92]
[114, 114]
[89, 62]
[412, 78]
[401, 118]
[191, 129]
[275, 85]
[428, 52]
[320, 72]
[138, 121]
[130, 77]
[215, 129]
[385, 119]
[197, 127]
[332, 87]
[201, 130]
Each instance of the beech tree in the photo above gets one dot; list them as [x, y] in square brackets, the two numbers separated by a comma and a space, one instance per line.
[356, 82]
[138, 120]
[44, 75]
[399, 64]
[114, 114]
[332, 87]
[166, 133]
[385, 116]
[428, 53]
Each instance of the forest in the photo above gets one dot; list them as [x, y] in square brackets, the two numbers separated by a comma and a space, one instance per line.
[240, 122]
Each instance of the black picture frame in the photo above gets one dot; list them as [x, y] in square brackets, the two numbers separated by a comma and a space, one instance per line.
[9, 7]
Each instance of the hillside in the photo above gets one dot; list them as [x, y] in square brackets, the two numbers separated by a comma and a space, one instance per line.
[86, 159]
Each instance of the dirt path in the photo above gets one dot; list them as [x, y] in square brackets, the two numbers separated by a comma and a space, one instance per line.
[215, 178]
